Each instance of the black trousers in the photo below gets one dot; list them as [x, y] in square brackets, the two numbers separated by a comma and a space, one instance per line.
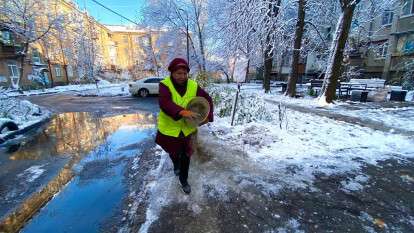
[183, 164]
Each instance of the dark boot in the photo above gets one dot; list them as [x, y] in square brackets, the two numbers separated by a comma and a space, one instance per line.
[186, 188]
[184, 167]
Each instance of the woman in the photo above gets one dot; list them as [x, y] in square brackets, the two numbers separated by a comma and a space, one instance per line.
[173, 135]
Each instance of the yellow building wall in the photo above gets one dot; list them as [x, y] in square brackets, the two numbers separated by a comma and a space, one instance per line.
[117, 50]
[127, 48]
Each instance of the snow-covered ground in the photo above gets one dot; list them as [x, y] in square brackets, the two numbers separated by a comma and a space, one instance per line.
[104, 89]
[21, 112]
[107, 90]
[395, 115]
[271, 151]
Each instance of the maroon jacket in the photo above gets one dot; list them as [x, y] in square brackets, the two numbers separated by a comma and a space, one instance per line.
[175, 146]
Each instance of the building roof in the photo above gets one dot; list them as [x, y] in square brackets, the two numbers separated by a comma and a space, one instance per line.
[122, 28]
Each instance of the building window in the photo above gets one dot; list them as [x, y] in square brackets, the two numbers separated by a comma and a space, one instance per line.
[387, 17]
[36, 56]
[145, 41]
[408, 7]
[13, 70]
[382, 51]
[408, 46]
[70, 70]
[287, 60]
[58, 71]
[6, 37]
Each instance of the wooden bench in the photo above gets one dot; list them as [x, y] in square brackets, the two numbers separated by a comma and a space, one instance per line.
[361, 85]
[370, 83]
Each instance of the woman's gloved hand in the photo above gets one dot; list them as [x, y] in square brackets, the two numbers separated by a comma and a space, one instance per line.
[188, 114]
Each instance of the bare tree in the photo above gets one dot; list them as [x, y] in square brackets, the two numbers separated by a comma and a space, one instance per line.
[177, 15]
[300, 26]
[22, 18]
[334, 69]
[272, 13]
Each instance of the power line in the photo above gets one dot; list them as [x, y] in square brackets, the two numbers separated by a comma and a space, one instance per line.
[109, 9]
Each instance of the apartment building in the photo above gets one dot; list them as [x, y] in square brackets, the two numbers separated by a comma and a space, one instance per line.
[59, 57]
[389, 45]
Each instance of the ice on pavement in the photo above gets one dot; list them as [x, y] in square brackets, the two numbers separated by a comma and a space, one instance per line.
[32, 173]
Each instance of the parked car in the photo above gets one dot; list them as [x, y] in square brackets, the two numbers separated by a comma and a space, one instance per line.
[145, 86]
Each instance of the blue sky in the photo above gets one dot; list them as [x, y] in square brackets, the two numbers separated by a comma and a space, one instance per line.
[129, 8]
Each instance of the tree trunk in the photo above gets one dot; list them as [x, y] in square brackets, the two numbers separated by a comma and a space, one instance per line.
[268, 53]
[52, 82]
[333, 71]
[200, 38]
[268, 64]
[227, 77]
[22, 63]
[154, 58]
[300, 25]
[197, 7]
[65, 68]
[247, 71]
[64, 61]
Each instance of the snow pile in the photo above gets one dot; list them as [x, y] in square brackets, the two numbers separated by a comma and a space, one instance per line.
[22, 112]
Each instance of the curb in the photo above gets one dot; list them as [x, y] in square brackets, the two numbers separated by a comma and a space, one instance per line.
[11, 134]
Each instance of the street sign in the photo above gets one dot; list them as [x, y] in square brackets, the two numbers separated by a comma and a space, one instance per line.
[240, 69]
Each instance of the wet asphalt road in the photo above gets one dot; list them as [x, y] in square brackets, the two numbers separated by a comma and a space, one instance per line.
[61, 103]
[83, 152]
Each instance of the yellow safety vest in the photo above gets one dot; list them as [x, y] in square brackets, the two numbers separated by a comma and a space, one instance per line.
[166, 124]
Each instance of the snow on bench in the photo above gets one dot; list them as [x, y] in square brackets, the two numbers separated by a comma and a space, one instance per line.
[370, 83]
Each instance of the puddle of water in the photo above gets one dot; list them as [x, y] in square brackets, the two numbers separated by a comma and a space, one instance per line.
[82, 206]
[97, 148]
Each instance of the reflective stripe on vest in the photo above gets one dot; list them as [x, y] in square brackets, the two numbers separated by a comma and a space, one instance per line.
[166, 124]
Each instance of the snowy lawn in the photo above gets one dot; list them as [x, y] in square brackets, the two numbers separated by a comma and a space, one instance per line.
[104, 89]
[272, 156]
[392, 114]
